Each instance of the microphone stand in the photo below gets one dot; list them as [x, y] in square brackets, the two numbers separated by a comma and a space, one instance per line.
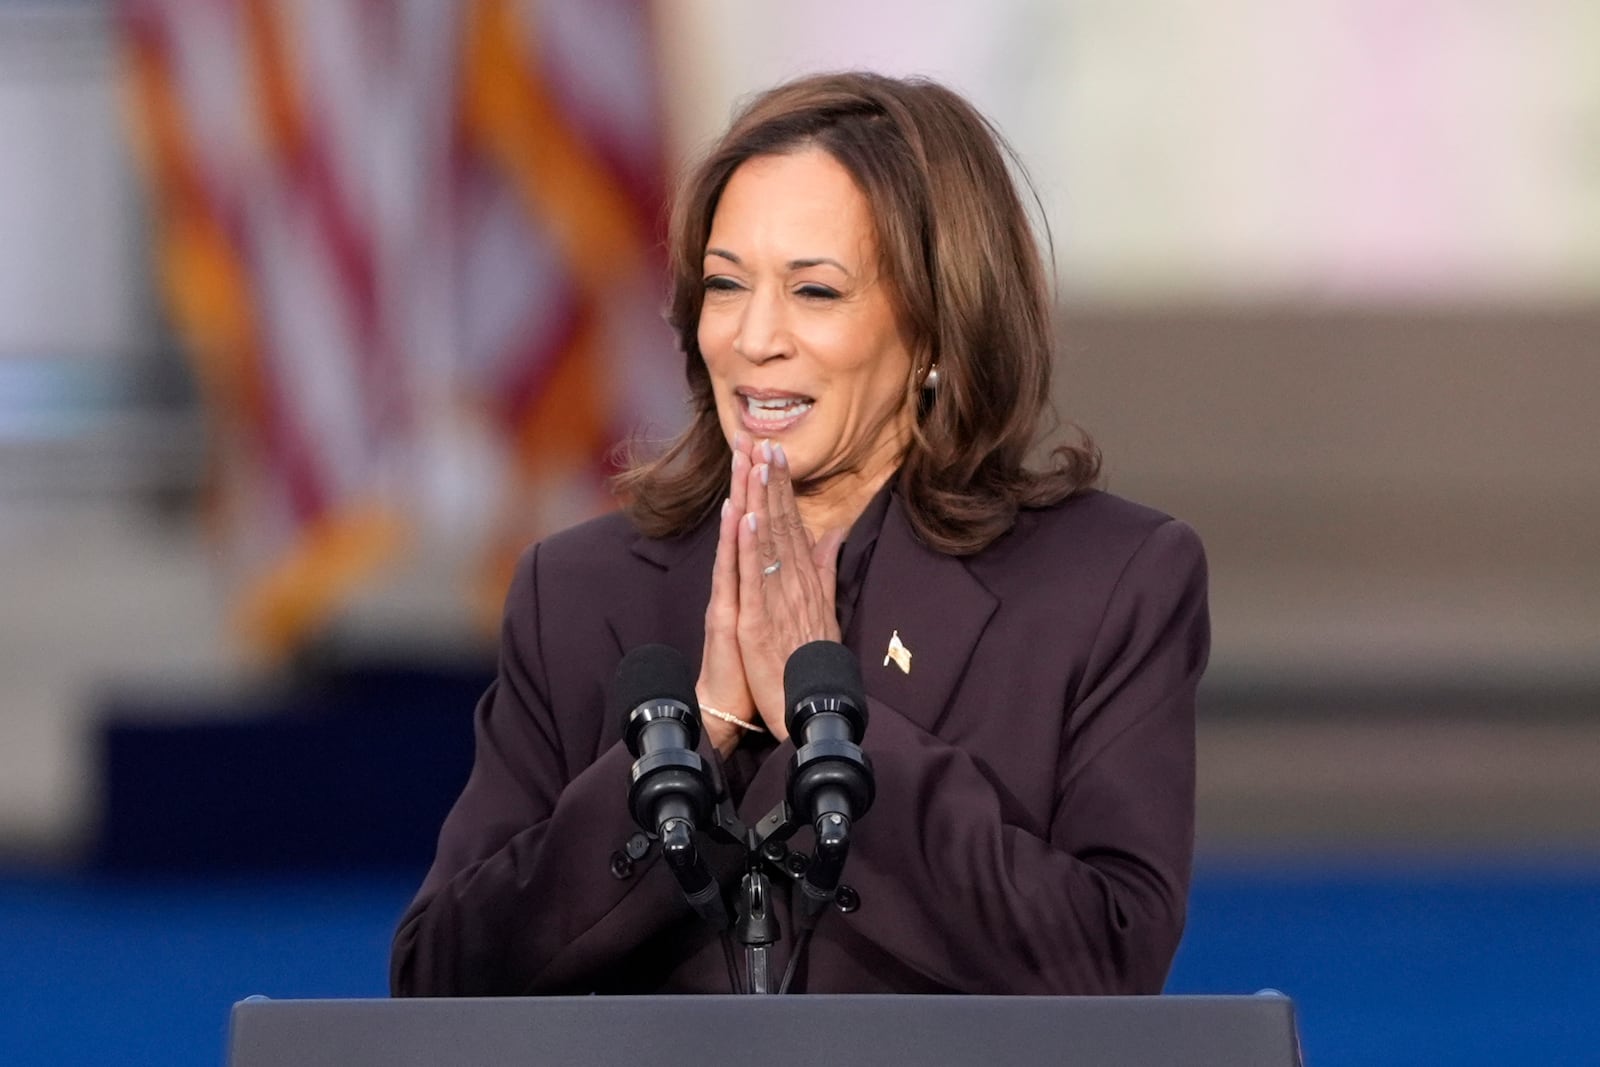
[756, 926]
[767, 857]
[757, 929]
[814, 882]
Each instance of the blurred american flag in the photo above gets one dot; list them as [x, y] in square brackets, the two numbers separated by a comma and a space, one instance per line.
[413, 248]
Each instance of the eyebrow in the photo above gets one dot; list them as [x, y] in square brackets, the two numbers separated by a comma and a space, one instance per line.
[794, 264]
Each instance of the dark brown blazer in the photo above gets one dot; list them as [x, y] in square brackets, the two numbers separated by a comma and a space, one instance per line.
[1034, 821]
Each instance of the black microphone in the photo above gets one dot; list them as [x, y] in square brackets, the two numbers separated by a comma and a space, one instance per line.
[670, 794]
[830, 778]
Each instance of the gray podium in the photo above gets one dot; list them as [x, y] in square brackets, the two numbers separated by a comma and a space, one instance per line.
[711, 1031]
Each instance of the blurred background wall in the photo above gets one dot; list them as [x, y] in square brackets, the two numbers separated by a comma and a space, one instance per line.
[1329, 278]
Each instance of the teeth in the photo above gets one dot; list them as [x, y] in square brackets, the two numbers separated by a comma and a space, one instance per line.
[777, 408]
[776, 402]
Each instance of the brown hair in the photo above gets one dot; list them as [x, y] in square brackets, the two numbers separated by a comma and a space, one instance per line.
[967, 275]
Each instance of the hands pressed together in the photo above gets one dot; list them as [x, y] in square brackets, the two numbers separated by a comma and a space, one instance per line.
[772, 590]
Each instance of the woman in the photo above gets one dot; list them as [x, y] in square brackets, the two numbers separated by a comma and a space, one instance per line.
[865, 318]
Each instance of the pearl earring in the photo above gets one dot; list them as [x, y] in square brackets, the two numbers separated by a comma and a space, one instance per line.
[930, 381]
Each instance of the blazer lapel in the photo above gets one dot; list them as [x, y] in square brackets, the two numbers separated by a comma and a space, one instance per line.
[675, 612]
[937, 609]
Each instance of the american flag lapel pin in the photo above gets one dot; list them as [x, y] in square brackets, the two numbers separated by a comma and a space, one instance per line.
[898, 654]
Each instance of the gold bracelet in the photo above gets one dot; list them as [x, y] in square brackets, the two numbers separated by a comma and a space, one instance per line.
[718, 713]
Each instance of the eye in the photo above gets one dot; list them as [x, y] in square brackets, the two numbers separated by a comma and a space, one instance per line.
[720, 283]
[815, 291]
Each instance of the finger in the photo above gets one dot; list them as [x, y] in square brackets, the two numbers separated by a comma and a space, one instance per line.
[763, 648]
[739, 479]
[789, 530]
[724, 605]
[825, 557]
[722, 681]
[752, 607]
[756, 504]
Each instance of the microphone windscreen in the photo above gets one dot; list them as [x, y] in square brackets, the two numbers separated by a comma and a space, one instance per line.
[823, 668]
[651, 672]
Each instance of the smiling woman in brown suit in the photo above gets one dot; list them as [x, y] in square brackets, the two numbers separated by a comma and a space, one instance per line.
[865, 316]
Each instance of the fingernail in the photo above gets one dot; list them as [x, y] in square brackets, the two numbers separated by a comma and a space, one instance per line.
[726, 504]
[783, 460]
[766, 451]
[750, 521]
[765, 471]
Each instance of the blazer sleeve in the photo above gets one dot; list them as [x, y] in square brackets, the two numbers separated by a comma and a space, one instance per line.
[1094, 902]
[520, 898]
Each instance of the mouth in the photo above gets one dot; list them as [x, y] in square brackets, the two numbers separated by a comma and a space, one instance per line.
[767, 411]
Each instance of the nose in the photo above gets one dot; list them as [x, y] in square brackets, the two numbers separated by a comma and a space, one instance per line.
[763, 328]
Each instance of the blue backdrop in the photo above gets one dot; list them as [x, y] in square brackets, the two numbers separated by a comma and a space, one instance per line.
[1467, 963]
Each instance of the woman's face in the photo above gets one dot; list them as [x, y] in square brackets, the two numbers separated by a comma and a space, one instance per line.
[798, 329]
